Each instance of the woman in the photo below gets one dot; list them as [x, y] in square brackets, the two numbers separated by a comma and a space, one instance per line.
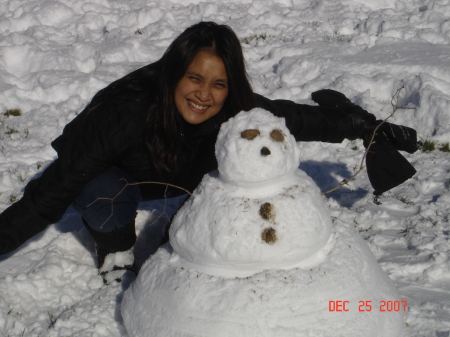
[158, 124]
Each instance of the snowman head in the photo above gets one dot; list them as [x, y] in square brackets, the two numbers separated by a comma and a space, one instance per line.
[255, 147]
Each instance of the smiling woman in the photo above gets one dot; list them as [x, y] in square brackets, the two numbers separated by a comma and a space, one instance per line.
[202, 91]
[160, 124]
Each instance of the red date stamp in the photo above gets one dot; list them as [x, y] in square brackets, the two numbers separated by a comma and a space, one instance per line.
[383, 306]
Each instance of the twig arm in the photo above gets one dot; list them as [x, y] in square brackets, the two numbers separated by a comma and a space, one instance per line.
[395, 107]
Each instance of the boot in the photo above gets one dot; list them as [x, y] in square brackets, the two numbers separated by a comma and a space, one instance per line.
[113, 266]
[114, 251]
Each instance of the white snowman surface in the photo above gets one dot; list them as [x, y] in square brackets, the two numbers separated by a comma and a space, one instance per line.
[259, 211]
[254, 253]
[255, 149]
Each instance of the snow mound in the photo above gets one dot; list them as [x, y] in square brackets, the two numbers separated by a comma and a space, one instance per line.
[170, 300]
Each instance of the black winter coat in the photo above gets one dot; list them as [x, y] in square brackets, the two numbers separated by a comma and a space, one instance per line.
[114, 136]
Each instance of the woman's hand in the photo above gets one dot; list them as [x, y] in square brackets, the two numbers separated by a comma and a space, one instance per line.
[401, 137]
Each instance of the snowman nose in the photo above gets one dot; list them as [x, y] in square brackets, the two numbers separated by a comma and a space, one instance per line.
[265, 151]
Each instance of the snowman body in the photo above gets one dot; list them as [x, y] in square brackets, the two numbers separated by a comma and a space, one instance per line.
[255, 253]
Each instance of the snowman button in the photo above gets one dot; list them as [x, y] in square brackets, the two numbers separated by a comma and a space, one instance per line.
[269, 235]
[266, 211]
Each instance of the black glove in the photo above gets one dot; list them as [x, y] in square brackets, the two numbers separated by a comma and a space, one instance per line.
[401, 137]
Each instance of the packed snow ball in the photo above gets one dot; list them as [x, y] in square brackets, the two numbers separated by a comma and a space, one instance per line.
[256, 147]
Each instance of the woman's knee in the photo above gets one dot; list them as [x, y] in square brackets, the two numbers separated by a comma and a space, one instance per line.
[109, 201]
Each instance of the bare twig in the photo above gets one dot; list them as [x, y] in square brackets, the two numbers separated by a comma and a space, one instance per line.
[164, 209]
[133, 184]
[394, 102]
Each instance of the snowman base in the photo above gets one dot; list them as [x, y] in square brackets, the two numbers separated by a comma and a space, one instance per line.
[181, 302]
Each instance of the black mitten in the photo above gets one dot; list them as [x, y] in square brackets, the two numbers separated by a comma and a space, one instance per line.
[386, 167]
[330, 99]
[401, 137]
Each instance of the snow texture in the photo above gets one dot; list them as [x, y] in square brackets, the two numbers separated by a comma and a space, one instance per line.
[169, 299]
[240, 158]
[56, 54]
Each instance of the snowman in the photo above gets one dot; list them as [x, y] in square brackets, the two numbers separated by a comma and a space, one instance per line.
[254, 252]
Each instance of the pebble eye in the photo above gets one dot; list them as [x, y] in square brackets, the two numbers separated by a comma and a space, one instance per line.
[250, 134]
[277, 136]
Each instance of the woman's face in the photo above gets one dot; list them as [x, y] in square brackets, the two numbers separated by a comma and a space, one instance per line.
[202, 91]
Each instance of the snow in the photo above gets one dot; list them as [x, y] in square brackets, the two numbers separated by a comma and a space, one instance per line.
[54, 56]
[169, 299]
[239, 158]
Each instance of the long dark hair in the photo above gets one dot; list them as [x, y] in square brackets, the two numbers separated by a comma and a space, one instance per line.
[159, 80]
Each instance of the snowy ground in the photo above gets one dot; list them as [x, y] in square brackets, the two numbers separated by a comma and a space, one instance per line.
[54, 55]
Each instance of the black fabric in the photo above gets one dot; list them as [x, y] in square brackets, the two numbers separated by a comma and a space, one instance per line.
[310, 123]
[101, 256]
[402, 138]
[119, 240]
[20, 222]
[335, 101]
[330, 99]
[114, 135]
[386, 167]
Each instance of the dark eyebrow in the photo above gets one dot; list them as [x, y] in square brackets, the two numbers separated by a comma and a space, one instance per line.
[195, 74]
[221, 80]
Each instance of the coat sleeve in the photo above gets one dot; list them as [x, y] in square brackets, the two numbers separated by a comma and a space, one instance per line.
[311, 123]
[89, 145]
